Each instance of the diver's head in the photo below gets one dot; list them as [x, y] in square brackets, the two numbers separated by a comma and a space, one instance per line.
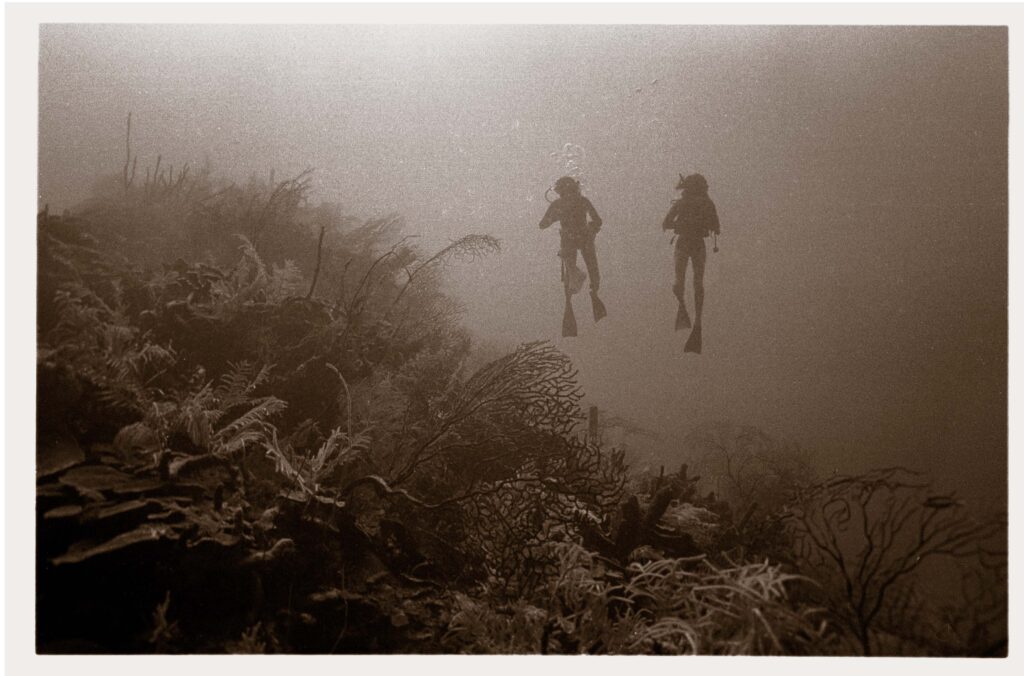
[567, 185]
[694, 183]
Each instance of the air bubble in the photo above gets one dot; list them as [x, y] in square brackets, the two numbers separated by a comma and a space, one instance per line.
[570, 158]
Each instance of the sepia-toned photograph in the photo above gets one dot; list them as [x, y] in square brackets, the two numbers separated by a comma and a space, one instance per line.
[519, 338]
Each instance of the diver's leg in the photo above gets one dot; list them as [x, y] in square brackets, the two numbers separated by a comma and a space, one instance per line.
[679, 288]
[699, 258]
[574, 277]
[589, 252]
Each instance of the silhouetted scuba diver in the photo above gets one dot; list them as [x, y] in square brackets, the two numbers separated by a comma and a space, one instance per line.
[571, 210]
[692, 217]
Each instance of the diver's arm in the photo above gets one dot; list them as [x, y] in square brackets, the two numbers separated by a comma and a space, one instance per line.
[712, 215]
[549, 216]
[670, 217]
[595, 220]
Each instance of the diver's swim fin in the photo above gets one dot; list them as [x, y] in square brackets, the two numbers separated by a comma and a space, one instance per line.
[693, 343]
[599, 311]
[682, 317]
[568, 319]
